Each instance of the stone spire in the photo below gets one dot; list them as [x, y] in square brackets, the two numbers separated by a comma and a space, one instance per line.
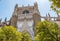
[5, 19]
[35, 6]
[47, 17]
[16, 5]
[22, 5]
[0, 20]
[15, 10]
[28, 5]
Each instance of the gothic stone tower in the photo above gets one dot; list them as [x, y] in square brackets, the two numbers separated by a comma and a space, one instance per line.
[25, 18]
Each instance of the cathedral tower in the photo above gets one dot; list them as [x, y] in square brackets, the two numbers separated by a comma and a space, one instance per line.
[25, 18]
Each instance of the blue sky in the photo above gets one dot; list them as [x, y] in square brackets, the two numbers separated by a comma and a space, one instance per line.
[7, 7]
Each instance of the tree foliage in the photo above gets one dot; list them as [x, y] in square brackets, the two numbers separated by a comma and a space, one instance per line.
[26, 36]
[47, 31]
[9, 33]
[55, 5]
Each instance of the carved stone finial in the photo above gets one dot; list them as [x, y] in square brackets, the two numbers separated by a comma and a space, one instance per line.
[48, 15]
[16, 5]
[10, 22]
[0, 19]
[5, 19]
[22, 5]
[35, 6]
[35, 3]
[28, 5]
[0, 22]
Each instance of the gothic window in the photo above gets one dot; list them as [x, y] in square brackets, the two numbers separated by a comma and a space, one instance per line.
[25, 12]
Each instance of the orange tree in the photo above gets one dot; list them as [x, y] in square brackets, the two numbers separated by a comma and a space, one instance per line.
[9, 33]
[47, 31]
[26, 36]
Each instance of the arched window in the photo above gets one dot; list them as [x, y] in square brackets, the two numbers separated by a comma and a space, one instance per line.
[25, 12]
